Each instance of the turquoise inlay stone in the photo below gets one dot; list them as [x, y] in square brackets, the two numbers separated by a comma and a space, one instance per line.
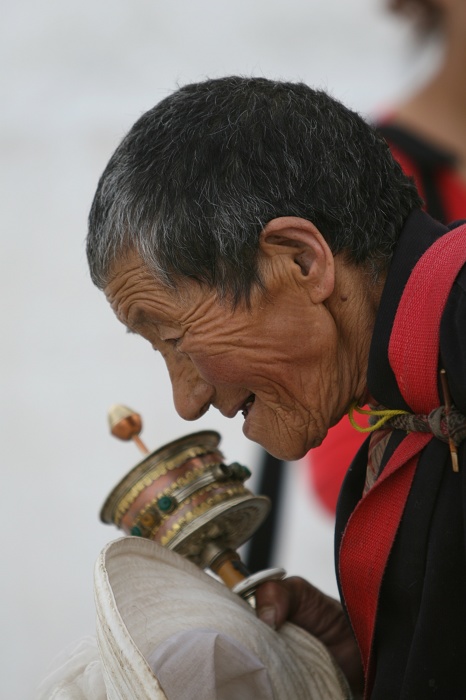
[240, 472]
[166, 503]
[136, 531]
[246, 473]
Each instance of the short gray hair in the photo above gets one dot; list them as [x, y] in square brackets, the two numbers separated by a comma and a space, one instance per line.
[198, 176]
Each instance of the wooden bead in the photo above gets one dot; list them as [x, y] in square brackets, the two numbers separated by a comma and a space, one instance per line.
[124, 422]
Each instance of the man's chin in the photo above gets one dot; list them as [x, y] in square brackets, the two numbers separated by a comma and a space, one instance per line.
[287, 450]
[287, 453]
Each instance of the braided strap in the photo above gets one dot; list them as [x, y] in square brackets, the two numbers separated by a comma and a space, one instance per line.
[444, 426]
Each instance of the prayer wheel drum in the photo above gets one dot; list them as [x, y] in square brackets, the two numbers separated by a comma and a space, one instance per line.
[186, 498]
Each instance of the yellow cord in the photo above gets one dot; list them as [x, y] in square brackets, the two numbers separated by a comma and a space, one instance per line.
[385, 416]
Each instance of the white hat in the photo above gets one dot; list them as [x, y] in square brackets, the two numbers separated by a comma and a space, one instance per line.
[155, 608]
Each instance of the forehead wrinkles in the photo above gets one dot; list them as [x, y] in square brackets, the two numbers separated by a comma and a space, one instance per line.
[134, 286]
[123, 287]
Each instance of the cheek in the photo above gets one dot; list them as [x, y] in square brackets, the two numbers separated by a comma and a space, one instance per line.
[219, 369]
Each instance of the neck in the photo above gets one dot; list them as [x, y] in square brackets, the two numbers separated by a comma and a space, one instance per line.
[354, 307]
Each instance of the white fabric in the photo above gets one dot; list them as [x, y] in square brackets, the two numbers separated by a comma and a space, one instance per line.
[213, 665]
[155, 608]
[145, 594]
[210, 664]
[76, 674]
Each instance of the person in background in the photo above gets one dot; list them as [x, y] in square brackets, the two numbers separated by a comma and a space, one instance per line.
[427, 135]
[427, 131]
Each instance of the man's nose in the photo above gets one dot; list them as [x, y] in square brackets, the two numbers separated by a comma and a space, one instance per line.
[192, 395]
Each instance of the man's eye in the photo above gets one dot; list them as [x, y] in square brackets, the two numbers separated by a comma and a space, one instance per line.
[172, 341]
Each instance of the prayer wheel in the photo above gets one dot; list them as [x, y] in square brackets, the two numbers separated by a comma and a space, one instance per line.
[186, 498]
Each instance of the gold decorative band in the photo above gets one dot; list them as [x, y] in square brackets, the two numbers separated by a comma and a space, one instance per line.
[200, 510]
[152, 512]
[152, 475]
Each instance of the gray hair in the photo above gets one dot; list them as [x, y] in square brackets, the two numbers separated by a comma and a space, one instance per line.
[198, 176]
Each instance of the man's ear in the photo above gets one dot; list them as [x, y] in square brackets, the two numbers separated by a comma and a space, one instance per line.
[304, 250]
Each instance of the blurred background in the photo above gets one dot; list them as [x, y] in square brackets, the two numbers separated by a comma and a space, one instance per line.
[75, 76]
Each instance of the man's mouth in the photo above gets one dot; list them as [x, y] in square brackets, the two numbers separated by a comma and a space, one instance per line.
[247, 405]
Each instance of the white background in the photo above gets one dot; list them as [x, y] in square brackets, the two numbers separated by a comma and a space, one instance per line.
[74, 77]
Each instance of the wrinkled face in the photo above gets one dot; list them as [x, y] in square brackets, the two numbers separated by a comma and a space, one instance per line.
[274, 362]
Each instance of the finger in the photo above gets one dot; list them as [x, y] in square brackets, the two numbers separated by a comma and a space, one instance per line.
[276, 601]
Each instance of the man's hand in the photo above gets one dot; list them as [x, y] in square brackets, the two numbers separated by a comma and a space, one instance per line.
[295, 600]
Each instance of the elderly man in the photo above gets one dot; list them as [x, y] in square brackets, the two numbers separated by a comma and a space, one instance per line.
[261, 237]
